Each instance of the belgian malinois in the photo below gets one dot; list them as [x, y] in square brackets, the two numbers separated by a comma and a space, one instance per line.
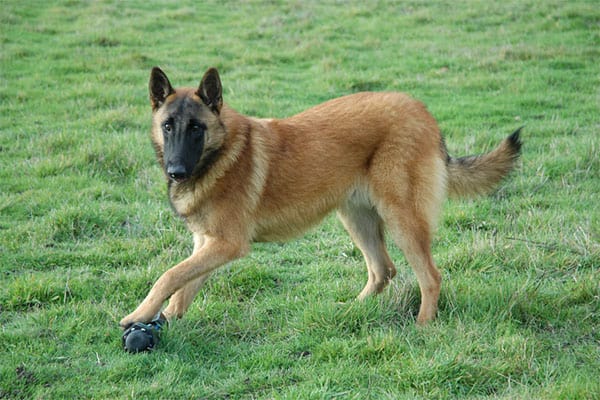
[376, 158]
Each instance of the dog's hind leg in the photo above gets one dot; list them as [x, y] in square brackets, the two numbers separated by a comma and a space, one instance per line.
[365, 228]
[408, 185]
[411, 229]
[416, 247]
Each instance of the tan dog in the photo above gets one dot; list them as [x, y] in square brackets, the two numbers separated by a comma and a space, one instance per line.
[376, 158]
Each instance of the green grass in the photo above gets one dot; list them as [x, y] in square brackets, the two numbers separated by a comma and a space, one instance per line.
[85, 225]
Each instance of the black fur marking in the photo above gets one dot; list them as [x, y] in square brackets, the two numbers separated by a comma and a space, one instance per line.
[210, 157]
[514, 140]
[160, 88]
[466, 161]
[210, 90]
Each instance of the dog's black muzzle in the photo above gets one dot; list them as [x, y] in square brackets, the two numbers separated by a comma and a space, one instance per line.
[177, 172]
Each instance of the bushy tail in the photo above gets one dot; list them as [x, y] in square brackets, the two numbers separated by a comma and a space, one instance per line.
[475, 175]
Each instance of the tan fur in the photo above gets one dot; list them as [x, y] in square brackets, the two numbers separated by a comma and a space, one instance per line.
[376, 158]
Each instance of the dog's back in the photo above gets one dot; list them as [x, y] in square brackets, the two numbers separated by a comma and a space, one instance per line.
[318, 158]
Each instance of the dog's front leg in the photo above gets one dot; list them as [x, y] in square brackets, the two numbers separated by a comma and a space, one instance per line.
[211, 255]
[183, 298]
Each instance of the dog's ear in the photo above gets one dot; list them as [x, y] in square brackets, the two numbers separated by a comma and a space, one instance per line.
[210, 90]
[160, 88]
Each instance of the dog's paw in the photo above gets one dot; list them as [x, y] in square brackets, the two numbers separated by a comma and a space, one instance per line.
[126, 323]
[142, 315]
[132, 318]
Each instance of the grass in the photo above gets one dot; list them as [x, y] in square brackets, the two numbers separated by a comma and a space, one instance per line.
[85, 225]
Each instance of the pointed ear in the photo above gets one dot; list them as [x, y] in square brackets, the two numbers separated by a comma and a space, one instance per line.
[210, 90]
[160, 88]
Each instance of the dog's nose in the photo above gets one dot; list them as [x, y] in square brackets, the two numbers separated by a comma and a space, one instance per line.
[177, 172]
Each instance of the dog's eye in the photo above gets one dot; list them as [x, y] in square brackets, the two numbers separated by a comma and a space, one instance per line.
[168, 128]
[197, 128]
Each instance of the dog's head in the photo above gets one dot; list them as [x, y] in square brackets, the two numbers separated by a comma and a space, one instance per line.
[186, 129]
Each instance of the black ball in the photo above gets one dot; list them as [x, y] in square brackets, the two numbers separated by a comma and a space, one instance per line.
[137, 341]
[140, 337]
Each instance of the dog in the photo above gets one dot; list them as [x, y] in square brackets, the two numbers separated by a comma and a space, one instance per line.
[378, 159]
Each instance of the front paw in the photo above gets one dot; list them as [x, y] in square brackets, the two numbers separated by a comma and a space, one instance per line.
[133, 318]
[126, 322]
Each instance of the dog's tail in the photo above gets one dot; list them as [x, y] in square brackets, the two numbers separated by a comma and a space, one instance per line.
[476, 175]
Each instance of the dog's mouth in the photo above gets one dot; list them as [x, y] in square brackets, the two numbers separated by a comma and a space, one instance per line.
[178, 178]
[177, 173]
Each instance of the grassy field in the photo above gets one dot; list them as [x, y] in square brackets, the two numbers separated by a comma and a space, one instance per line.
[85, 224]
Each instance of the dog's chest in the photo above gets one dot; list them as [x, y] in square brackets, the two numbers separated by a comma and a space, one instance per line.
[183, 202]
